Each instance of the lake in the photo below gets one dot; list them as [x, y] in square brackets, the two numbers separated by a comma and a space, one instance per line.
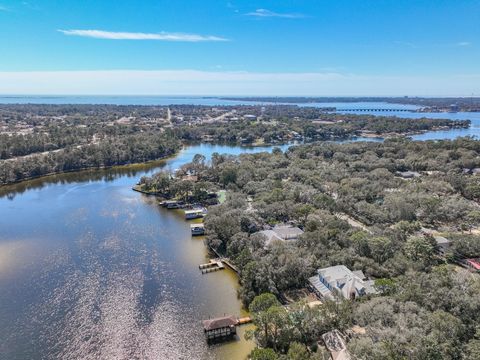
[90, 269]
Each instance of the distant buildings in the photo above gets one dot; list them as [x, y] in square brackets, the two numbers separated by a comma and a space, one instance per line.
[340, 282]
[454, 108]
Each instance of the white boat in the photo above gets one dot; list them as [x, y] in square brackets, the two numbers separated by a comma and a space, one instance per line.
[194, 214]
[197, 229]
[172, 204]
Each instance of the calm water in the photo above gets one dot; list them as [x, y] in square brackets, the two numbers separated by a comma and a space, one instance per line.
[121, 100]
[179, 100]
[90, 269]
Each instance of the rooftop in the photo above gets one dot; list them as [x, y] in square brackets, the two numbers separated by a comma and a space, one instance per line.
[282, 233]
[441, 240]
[408, 174]
[194, 211]
[336, 345]
[345, 281]
[474, 263]
[218, 323]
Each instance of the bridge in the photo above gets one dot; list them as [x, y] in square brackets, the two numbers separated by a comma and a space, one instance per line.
[373, 110]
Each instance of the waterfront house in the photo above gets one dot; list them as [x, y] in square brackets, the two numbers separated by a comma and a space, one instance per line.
[340, 282]
[220, 328]
[281, 233]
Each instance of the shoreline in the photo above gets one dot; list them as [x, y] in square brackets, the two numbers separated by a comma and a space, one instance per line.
[253, 145]
[93, 168]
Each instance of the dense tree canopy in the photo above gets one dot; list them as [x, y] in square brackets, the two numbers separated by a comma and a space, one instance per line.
[357, 210]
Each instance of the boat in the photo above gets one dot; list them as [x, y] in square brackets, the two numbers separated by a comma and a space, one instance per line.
[194, 214]
[172, 204]
[197, 229]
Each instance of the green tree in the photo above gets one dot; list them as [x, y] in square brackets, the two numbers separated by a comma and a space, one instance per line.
[301, 213]
[385, 286]
[298, 351]
[273, 327]
[418, 248]
[261, 318]
[228, 175]
[263, 354]
[381, 248]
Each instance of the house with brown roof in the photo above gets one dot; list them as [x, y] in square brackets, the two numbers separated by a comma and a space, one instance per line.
[220, 328]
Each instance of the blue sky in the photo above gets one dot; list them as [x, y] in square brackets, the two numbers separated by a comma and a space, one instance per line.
[316, 47]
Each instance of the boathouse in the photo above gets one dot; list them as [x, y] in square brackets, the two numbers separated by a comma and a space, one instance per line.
[220, 328]
[194, 214]
[197, 229]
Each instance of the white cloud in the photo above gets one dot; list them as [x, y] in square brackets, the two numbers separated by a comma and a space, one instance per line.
[163, 36]
[3, 8]
[464, 43]
[268, 13]
[194, 82]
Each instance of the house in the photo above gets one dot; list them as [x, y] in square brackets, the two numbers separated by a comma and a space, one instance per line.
[473, 171]
[335, 344]
[281, 233]
[443, 244]
[340, 282]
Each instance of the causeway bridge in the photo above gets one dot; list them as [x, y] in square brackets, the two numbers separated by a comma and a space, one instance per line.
[373, 110]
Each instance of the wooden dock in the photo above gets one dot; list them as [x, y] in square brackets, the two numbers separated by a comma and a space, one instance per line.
[244, 320]
[213, 265]
[225, 260]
